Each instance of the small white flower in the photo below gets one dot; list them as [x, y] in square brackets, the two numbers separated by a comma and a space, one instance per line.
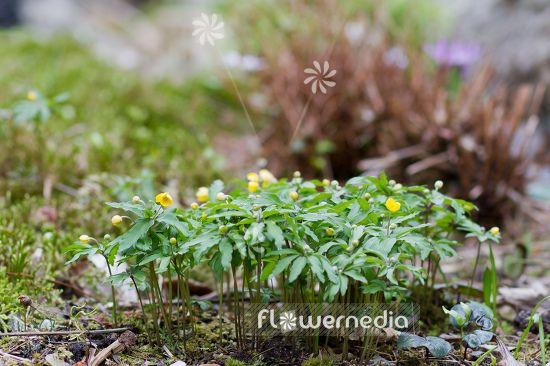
[207, 30]
[438, 184]
[319, 77]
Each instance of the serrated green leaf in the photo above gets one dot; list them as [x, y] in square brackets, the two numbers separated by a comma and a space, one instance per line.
[276, 234]
[297, 268]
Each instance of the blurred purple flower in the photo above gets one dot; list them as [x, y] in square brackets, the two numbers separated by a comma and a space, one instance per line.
[454, 53]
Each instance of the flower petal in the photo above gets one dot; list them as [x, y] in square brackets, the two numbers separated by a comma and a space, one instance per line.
[310, 71]
[331, 74]
[314, 87]
[306, 81]
[317, 66]
[219, 26]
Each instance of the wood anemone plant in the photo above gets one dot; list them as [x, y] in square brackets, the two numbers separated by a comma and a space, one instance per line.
[369, 241]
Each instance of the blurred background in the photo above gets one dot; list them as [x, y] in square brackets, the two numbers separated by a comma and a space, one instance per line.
[101, 100]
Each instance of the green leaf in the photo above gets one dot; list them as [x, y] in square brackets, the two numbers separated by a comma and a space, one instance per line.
[276, 234]
[380, 245]
[281, 252]
[407, 340]
[267, 270]
[226, 254]
[171, 219]
[457, 319]
[472, 341]
[134, 208]
[283, 264]
[297, 268]
[438, 347]
[215, 188]
[316, 267]
[130, 238]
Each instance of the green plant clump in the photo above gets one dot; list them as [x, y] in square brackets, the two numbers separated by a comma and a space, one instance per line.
[370, 239]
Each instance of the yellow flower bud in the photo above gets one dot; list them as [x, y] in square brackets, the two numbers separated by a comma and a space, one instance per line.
[297, 174]
[392, 205]
[223, 229]
[173, 241]
[367, 196]
[495, 231]
[136, 199]
[398, 186]
[84, 239]
[326, 182]
[204, 214]
[355, 242]
[202, 194]
[31, 96]
[220, 196]
[255, 207]
[116, 220]
[164, 199]
[294, 195]
[194, 206]
[253, 177]
[391, 182]
[330, 231]
[253, 186]
[258, 196]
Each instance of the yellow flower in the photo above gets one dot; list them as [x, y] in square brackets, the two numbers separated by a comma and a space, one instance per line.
[204, 214]
[31, 96]
[267, 177]
[84, 239]
[253, 186]
[495, 231]
[469, 207]
[253, 177]
[294, 195]
[202, 194]
[330, 231]
[194, 206]
[164, 199]
[116, 220]
[392, 205]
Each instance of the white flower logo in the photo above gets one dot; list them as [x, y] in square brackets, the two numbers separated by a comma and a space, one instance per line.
[207, 30]
[287, 321]
[319, 77]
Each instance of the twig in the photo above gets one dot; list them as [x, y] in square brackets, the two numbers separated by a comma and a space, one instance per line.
[87, 332]
[126, 340]
[20, 359]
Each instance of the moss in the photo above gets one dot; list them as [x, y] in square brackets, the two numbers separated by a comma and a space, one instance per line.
[315, 361]
[232, 362]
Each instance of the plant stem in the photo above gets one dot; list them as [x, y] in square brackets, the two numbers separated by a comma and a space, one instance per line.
[142, 310]
[112, 292]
